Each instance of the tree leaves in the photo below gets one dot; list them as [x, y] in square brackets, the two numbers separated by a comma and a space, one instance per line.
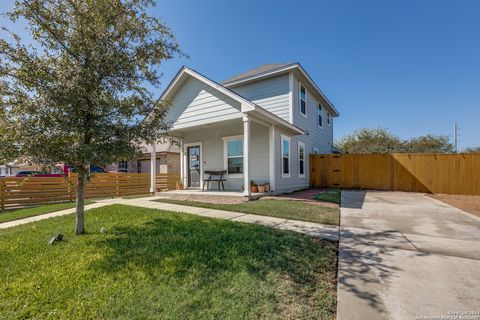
[78, 94]
[382, 141]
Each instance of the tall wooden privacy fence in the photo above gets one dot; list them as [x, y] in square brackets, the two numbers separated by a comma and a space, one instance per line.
[432, 173]
[18, 192]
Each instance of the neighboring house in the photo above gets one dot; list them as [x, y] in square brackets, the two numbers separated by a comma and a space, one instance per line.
[260, 126]
[12, 168]
[9, 169]
[168, 160]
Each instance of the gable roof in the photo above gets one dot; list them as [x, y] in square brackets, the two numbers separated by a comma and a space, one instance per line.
[269, 70]
[246, 105]
[264, 68]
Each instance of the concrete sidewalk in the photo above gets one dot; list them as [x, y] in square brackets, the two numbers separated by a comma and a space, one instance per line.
[327, 232]
[404, 256]
[54, 214]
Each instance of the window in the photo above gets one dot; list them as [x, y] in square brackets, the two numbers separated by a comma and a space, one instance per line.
[233, 151]
[285, 157]
[303, 100]
[329, 118]
[301, 159]
[320, 115]
[123, 166]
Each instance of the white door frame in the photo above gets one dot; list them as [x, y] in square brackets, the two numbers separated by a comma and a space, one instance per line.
[185, 162]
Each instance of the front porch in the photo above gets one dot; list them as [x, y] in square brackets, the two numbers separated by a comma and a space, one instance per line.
[211, 195]
[242, 149]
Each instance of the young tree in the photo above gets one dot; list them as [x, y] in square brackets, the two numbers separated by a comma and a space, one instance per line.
[78, 92]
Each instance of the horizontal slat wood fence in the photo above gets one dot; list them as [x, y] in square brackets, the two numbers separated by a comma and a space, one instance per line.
[166, 181]
[431, 173]
[18, 192]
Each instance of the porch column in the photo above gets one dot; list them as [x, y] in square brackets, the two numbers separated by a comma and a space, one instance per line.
[272, 154]
[246, 154]
[153, 167]
[182, 163]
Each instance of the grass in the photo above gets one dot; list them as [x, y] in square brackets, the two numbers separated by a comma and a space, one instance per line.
[35, 211]
[152, 264]
[295, 210]
[332, 195]
[136, 196]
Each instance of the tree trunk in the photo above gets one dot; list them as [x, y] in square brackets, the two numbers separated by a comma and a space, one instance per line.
[82, 176]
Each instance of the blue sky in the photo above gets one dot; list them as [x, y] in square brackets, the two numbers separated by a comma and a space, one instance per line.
[410, 66]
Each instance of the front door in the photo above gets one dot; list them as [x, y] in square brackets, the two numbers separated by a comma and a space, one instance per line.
[193, 154]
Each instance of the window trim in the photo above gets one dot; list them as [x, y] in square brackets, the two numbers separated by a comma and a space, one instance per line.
[225, 155]
[301, 145]
[300, 85]
[286, 138]
[320, 113]
[329, 118]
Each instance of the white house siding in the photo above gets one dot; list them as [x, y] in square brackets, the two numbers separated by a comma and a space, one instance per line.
[195, 103]
[314, 137]
[294, 182]
[318, 137]
[211, 138]
[270, 94]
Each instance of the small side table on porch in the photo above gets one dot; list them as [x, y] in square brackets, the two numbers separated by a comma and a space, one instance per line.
[214, 176]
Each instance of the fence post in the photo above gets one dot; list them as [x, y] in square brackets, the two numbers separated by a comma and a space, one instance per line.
[117, 191]
[2, 195]
[70, 188]
[392, 172]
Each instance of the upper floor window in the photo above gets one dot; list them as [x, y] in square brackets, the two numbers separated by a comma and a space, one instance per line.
[320, 115]
[303, 100]
[233, 149]
[301, 159]
[329, 118]
[285, 157]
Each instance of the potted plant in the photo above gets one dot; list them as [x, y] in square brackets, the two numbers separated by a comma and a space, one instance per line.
[261, 188]
[179, 185]
[267, 187]
[253, 187]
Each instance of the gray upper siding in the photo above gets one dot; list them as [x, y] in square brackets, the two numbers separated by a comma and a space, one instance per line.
[270, 94]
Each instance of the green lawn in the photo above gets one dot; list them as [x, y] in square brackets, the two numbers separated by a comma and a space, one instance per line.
[136, 196]
[35, 211]
[295, 210]
[151, 264]
[332, 195]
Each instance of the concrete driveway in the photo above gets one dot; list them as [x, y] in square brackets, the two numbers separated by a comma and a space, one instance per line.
[406, 256]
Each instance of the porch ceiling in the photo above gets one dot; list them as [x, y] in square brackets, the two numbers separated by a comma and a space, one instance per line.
[179, 133]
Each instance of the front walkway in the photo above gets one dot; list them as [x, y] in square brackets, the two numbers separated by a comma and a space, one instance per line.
[318, 230]
[406, 256]
[18, 222]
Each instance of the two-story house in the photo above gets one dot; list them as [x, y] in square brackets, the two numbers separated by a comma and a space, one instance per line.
[259, 126]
